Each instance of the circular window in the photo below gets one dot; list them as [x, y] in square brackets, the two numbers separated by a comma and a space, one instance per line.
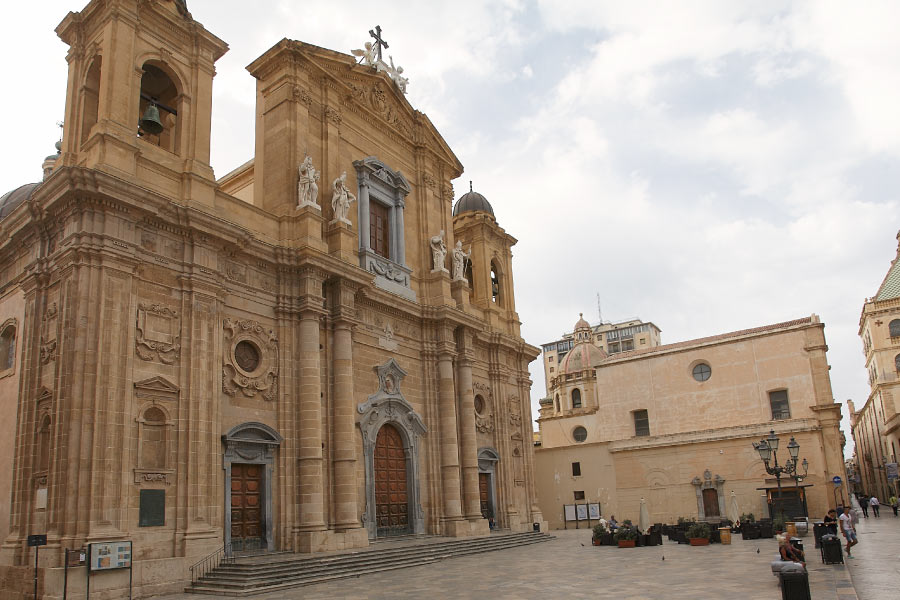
[580, 434]
[479, 405]
[701, 372]
[246, 355]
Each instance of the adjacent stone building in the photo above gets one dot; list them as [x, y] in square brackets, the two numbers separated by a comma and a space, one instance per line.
[674, 425]
[876, 425]
[305, 355]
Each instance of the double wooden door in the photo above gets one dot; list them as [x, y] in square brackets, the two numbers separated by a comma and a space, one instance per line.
[391, 494]
[484, 492]
[246, 506]
[711, 503]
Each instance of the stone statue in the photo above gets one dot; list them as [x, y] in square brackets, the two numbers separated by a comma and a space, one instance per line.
[459, 261]
[396, 73]
[367, 55]
[341, 199]
[438, 252]
[307, 189]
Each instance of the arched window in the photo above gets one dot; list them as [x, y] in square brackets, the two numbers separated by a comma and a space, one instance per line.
[495, 283]
[894, 326]
[897, 363]
[91, 94]
[576, 398]
[159, 91]
[8, 347]
[153, 439]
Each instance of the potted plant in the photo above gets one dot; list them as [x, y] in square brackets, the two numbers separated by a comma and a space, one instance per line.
[600, 532]
[698, 534]
[747, 518]
[626, 537]
[778, 523]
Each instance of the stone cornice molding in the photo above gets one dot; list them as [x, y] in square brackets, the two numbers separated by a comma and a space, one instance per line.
[750, 432]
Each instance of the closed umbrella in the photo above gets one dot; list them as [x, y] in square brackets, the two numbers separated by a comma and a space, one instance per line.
[644, 521]
[733, 512]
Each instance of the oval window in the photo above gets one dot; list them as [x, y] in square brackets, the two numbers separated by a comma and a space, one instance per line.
[702, 372]
[580, 434]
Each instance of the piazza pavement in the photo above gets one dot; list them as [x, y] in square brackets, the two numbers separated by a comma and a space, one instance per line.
[569, 567]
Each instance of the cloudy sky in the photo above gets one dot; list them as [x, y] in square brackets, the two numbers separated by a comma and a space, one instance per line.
[708, 166]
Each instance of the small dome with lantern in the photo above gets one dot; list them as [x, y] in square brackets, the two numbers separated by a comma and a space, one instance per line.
[472, 201]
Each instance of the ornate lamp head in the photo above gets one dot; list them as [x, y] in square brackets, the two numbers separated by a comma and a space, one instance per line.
[772, 440]
[794, 448]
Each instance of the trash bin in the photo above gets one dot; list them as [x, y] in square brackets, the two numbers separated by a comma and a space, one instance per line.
[725, 534]
[819, 530]
[536, 526]
[794, 582]
[832, 553]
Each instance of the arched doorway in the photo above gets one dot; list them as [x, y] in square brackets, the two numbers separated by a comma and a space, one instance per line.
[249, 463]
[487, 485]
[390, 431]
[391, 483]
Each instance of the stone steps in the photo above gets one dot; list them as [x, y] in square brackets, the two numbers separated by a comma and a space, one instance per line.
[259, 575]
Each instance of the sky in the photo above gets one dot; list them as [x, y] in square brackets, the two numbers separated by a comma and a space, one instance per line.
[708, 166]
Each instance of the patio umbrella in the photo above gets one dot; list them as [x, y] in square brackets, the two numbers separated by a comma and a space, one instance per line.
[733, 512]
[644, 521]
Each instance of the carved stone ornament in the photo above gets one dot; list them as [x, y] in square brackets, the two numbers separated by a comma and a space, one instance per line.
[484, 424]
[251, 359]
[301, 95]
[158, 333]
[387, 341]
[376, 98]
[48, 350]
[390, 271]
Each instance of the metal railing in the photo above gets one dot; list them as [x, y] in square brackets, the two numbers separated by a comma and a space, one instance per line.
[221, 556]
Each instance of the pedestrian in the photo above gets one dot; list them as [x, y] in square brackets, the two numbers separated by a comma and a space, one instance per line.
[864, 504]
[893, 503]
[830, 521]
[875, 504]
[848, 530]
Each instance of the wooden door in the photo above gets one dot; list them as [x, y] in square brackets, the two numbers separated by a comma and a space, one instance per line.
[711, 502]
[484, 491]
[246, 509]
[391, 497]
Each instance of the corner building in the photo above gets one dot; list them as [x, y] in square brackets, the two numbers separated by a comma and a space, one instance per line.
[202, 362]
[674, 425]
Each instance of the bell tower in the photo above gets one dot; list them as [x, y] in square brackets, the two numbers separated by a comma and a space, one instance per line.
[489, 273]
[139, 98]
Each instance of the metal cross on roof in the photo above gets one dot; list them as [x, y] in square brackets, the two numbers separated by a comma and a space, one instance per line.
[379, 42]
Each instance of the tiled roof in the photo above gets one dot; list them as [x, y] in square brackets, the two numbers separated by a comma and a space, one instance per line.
[713, 338]
[890, 287]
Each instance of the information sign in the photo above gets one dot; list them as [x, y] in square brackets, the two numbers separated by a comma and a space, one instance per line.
[37, 540]
[594, 511]
[891, 470]
[581, 511]
[110, 555]
[836, 480]
[569, 512]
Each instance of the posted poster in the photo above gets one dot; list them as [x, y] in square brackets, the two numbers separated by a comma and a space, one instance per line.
[110, 555]
[582, 512]
[570, 512]
[594, 511]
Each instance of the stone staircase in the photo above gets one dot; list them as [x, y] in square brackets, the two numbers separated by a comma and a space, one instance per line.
[249, 576]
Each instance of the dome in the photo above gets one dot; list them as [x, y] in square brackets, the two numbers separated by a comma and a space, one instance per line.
[582, 356]
[582, 324]
[472, 201]
[11, 200]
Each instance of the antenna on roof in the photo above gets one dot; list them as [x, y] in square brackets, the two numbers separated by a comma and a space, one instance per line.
[470, 185]
[599, 310]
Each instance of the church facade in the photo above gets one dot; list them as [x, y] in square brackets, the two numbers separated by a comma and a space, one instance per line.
[671, 428]
[315, 351]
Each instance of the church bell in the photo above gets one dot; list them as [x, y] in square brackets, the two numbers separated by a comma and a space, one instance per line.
[150, 121]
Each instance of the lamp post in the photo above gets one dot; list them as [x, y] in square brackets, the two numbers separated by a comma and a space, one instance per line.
[768, 452]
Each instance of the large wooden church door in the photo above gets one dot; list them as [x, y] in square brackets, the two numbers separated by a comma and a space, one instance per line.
[484, 492]
[391, 496]
[711, 502]
[246, 513]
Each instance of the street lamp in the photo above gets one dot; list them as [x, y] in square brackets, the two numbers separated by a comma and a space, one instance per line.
[768, 452]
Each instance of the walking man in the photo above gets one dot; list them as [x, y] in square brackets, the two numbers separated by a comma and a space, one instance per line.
[848, 530]
[875, 504]
[864, 504]
[893, 503]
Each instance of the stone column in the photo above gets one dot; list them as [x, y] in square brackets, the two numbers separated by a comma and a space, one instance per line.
[400, 235]
[449, 445]
[346, 512]
[363, 210]
[310, 426]
[467, 441]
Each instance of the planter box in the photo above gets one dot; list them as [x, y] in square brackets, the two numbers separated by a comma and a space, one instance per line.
[595, 541]
[699, 541]
[626, 543]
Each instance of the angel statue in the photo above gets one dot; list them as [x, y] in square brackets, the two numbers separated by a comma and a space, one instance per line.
[307, 189]
[438, 251]
[459, 261]
[341, 199]
[396, 74]
[367, 56]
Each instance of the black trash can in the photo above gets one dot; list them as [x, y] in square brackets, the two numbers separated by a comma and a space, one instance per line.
[536, 526]
[832, 553]
[794, 582]
[818, 531]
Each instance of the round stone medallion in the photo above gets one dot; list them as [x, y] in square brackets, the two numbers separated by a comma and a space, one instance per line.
[246, 355]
